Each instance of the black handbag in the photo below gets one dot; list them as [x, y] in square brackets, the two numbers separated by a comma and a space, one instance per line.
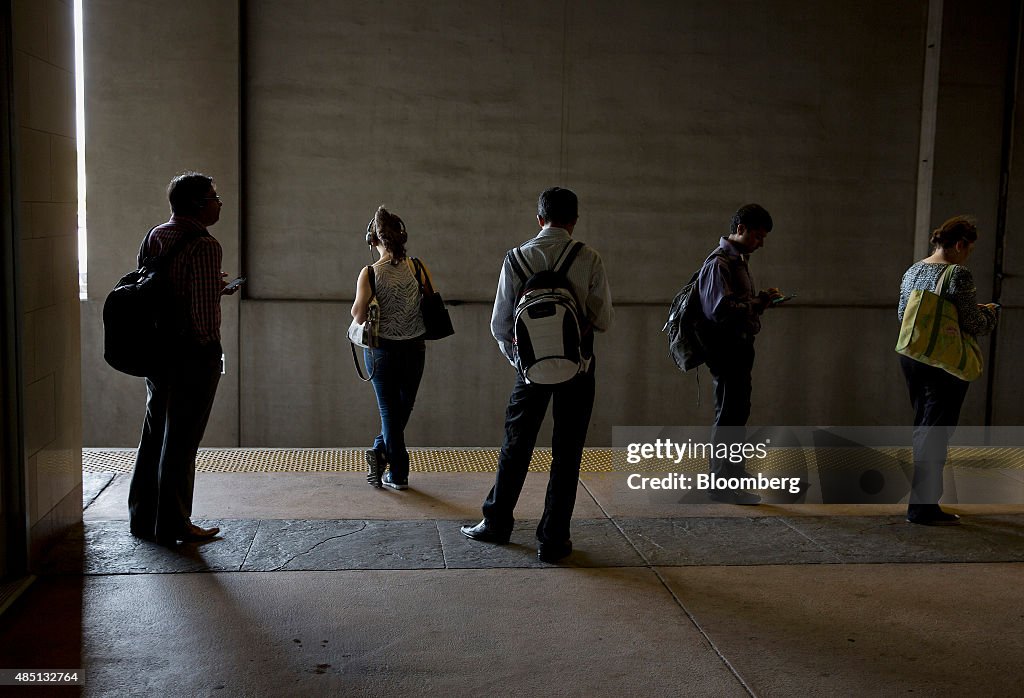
[435, 314]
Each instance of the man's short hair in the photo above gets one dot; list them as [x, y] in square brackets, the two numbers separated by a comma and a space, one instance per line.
[558, 206]
[753, 216]
[187, 191]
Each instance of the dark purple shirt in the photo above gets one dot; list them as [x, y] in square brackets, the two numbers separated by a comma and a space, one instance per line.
[727, 291]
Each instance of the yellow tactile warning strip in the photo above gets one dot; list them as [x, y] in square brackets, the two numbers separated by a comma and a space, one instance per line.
[595, 460]
[329, 460]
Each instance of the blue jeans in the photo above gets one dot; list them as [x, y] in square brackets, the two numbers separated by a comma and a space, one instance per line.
[396, 367]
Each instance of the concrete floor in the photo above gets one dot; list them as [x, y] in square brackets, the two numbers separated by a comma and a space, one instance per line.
[321, 586]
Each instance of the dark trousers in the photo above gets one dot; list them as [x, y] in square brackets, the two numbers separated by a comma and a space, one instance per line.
[397, 368]
[177, 410]
[937, 398]
[731, 361]
[527, 405]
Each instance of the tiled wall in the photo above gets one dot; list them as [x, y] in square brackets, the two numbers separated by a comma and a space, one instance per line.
[47, 185]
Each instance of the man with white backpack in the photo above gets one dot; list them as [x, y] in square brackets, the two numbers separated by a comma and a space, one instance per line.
[552, 296]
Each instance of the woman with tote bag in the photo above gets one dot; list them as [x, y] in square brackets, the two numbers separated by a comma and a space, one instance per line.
[938, 384]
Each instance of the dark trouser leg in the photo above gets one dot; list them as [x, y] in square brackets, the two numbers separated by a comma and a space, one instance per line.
[573, 404]
[523, 416]
[937, 398]
[410, 370]
[731, 365]
[193, 386]
[142, 495]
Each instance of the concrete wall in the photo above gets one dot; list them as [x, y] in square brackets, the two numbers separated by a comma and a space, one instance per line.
[161, 97]
[664, 117]
[47, 180]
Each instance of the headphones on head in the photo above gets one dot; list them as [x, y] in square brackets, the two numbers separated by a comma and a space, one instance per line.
[373, 240]
[371, 237]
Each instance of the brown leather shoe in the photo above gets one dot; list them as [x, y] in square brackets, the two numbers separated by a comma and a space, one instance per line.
[195, 533]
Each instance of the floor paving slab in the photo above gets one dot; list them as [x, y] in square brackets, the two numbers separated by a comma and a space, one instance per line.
[558, 632]
[596, 543]
[342, 496]
[107, 547]
[722, 541]
[344, 545]
[862, 630]
[892, 539]
[93, 484]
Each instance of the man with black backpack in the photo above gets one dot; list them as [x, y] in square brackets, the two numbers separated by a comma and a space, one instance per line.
[552, 296]
[181, 392]
[733, 310]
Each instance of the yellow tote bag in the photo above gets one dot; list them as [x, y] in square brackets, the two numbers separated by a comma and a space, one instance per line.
[931, 332]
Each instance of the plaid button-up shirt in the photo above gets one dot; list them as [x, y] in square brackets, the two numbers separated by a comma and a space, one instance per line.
[195, 273]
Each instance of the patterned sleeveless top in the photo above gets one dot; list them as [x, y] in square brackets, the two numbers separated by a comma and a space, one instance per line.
[398, 294]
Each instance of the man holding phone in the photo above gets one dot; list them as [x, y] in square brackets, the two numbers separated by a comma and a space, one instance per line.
[734, 310]
[180, 398]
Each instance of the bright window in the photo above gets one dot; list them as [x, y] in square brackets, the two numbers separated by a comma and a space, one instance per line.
[83, 250]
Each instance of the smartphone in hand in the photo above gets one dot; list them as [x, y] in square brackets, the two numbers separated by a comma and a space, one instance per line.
[235, 284]
[782, 299]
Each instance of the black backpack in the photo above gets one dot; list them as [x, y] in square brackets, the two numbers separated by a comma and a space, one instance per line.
[546, 320]
[687, 326]
[143, 321]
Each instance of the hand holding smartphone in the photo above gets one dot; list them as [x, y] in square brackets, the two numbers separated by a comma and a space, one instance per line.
[237, 283]
[782, 299]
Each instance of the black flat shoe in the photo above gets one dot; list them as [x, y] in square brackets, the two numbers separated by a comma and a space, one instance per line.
[553, 552]
[149, 536]
[485, 533]
[935, 518]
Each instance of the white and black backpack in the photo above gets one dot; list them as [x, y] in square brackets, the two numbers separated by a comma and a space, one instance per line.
[546, 321]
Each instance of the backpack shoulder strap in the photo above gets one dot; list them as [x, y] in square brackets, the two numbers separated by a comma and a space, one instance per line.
[718, 252]
[140, 258]
[569, 256]
[172, 251]
[517, 261]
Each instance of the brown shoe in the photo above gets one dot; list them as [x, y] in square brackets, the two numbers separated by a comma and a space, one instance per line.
[195, 533]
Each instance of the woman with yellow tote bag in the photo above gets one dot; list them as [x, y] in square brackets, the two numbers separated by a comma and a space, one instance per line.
[940, 319]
